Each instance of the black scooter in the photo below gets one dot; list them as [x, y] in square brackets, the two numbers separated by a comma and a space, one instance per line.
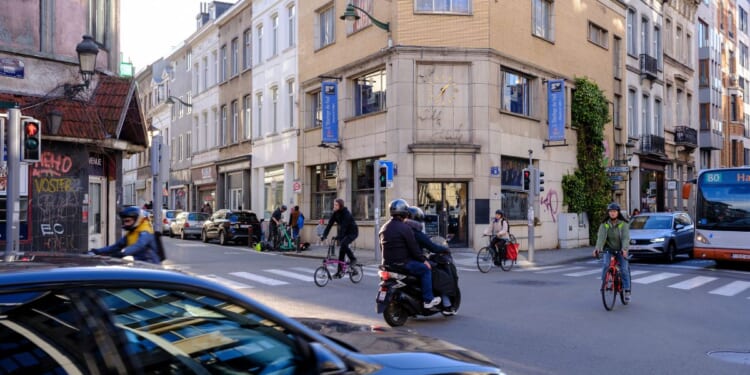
[400, 294]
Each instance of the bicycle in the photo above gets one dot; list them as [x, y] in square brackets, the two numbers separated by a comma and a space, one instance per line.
[488, 256]
[612, 283]
[323, 273]
[283, 239]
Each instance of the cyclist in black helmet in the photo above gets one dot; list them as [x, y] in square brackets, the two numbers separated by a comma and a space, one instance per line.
[138, 242]
[614, 237]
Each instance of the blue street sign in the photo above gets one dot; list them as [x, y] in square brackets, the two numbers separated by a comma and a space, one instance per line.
[329, 91]
[556, 109]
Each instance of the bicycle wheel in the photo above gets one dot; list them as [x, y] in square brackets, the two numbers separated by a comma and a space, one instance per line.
[505, 263]
[485, 257]
[321, 276]
[609, 293]
[355, 273]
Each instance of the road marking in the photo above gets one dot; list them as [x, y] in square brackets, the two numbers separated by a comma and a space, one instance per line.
[227, 282]
[533, 269]
[731, 289]
[654, 278]
[694, 282]
[259, 278]
[636, 273]
[583, 273]
[560, 270]
[292, 275]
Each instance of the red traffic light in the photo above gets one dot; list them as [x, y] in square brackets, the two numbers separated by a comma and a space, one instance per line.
[526, 174]
[31, 129]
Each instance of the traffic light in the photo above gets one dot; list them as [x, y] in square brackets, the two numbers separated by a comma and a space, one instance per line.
[526, 179]
[383, 176]
[539, 181]
[31, 143]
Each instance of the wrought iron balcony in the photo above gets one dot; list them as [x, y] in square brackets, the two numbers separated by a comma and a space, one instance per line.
[652, 144]
[649, 66]
[686, 136]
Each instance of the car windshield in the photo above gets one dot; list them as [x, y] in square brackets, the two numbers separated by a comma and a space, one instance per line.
[197, 216]
[171, 214]
[242, 217]
[651, 222]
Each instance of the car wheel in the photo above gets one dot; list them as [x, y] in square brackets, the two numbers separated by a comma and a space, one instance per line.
[670, 254]
[222, 239]
[204, 236]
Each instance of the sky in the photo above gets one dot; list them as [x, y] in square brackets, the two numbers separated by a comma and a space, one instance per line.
[150, 29]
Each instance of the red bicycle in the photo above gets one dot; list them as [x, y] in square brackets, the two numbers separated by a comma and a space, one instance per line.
[612, 283]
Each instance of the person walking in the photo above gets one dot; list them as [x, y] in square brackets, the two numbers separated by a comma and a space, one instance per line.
[613, 238]
[139, 240]
[348, 231]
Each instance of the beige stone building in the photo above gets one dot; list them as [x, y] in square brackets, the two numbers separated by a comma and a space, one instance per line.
[457, 98]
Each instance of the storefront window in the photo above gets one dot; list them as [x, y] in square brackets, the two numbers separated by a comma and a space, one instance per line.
[274, 190]
[515, 201]
[363, 192]
[323, 190]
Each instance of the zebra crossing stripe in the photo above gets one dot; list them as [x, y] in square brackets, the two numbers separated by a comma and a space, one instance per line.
[291, 275]
[654, 278]
[259, 278]
[636, 273]
[584, 273]
[534, 269]
[731, 289]
[560, 270]
[229, 283]
[693, 283]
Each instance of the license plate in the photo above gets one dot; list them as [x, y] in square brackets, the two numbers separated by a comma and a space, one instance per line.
[244, 226]
[381, 296]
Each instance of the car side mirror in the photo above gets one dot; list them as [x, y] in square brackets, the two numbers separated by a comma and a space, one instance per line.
[678, 226]
[327, 361]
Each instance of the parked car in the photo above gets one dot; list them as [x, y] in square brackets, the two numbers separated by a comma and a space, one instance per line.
[77, 314]
[167, 217]
[231, 226]
[661, 235]
[188, 224]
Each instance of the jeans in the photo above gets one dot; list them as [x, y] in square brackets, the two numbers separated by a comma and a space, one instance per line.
[420, 270]
[624, 268]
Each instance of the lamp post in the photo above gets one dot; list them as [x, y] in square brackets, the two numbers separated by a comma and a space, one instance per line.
[87, 51]
[350, 15]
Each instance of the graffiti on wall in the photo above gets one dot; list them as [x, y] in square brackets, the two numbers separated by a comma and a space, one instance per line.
[550, 204]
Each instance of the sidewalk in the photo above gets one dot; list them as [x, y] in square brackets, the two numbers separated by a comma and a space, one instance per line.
[542, 257]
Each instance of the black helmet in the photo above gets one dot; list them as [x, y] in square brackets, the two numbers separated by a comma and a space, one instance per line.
[613, 206]
[132, 212]
[283, 207]
[499, 212]
[399, 207]
[416, 214]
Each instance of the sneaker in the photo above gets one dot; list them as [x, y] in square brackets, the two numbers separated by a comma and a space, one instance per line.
[627, 296]
[450, 310]
[435, 301]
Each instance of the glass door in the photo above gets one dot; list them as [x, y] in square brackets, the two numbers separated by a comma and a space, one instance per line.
[96, 208]
[445, 205]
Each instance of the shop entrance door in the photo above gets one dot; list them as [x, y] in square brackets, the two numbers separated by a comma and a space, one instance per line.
[445, 205]
[97, 206]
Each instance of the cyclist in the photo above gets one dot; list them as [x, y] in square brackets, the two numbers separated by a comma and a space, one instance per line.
[500, 232]
[273, 225]
[400, 248]
[139, 241]
[347, 233]
[613, 237]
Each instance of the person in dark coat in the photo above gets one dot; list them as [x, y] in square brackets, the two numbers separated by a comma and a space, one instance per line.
[348, 231]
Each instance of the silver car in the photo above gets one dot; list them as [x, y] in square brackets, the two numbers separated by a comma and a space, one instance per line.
[188, 224]
[661, 235]
[167, 217]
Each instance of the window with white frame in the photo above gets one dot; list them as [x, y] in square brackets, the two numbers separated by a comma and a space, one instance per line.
[205, 140]
[259, 109]
[742, 22]
[291, 12]
[188, 60]
[363, 190]
[678, 44]
[542, 18]
[223, 127]
[290, 102]
[658, 123]
[235, 56]
[516, 93]
[656, 40]
[645, 115]
[204, 78]
[275, 35]
[598, 35]
[688, 50]
[259, 43]
[363, 21]
[369, 93]
[235, 121]
[316, 109]
[632, 113]
[275, 108]
[632, 32]
[223, 67]
[326, 20]
[669, 44]
[196, 78]
[188, 145]
[443, 6]
[616, 104]
[180, 149]
[644, 37]
[323, 190]
[215, 72]
[247, 52]
[247, 103]
[617, 57]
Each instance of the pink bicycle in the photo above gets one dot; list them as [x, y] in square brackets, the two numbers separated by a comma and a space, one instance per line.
[332, 263]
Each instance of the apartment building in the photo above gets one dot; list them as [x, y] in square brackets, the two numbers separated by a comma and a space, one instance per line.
[455, 94]
[739, 128]
[710, 85]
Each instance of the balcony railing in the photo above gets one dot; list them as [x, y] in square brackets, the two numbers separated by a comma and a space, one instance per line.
[652, 144]
[649, 66]
[686, 136]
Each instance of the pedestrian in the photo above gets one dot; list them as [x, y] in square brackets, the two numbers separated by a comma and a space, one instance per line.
[296, 222]
[207, 208]
[138, 242]
[348, 231]
[613, 238]
[273, 225]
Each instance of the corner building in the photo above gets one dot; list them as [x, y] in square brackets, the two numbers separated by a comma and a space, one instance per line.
[457, 98]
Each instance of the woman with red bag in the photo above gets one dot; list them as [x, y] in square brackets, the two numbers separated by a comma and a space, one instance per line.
[500, 232]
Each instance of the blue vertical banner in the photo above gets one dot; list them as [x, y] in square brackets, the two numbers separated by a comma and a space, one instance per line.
[329, 90]
[556, 109]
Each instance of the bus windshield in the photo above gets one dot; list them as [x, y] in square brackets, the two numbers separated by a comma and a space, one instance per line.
[723, 201]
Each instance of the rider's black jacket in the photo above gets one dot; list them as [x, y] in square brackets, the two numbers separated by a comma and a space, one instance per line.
[398, 243]
[347, 225]
[423, 240]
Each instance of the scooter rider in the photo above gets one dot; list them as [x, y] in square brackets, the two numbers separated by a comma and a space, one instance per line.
[138, 241]
[400, 248]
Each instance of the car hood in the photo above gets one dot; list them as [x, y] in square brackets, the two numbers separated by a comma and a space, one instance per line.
[378, 341]
[649, 233]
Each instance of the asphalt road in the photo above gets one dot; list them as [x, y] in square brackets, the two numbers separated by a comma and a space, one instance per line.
[529, 321]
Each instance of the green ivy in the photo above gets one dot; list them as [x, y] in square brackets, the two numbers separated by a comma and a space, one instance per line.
[589, 189]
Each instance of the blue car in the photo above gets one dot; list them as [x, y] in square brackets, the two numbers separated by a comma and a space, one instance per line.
[661, 235]
[97, 315]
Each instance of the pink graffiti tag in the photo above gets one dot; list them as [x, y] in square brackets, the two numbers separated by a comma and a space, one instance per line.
[550, 203]
[52, 164]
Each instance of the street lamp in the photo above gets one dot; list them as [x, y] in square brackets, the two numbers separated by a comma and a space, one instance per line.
[350, 15]
[87, 50]
[171, 99]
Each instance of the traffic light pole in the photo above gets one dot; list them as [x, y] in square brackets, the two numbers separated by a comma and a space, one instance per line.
[532, 200]
[376, 209]
[14, 175]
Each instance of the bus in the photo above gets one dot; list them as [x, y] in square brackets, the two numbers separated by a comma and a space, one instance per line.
[722, 215]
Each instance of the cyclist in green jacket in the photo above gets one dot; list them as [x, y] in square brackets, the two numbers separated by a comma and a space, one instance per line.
[614, 237]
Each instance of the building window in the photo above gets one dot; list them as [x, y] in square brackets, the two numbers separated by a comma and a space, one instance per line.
[259, 106]
[326, 21]
[275, 109]
[290, 102]
[644, 37]
[275, 35]
[645, 116]
[668, 47]
[702, 34]
[515, 201]
[363, 190]
[632, 32]
[657, 47]
[632, 114]
[703, 70]
[260, 44]
[323, 191]
[743, 20]
[516, 95]
[248, 116]
[235, 56]
[316, 109]
[292, 20]
[196, 78]
[188, 145]
[678, 44]
[733, 107]
[443, 6]
[705, 116]
[598, 35]
[180, 148]
[616, 104]
[542, 19]
[617, 57]
[247, 53]
[743, 55]
[223, 126]
[99, 17]
[235, 121]
[363, 21]
[369, 93]
[204, 79]
[223, 67]
[658, 125]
